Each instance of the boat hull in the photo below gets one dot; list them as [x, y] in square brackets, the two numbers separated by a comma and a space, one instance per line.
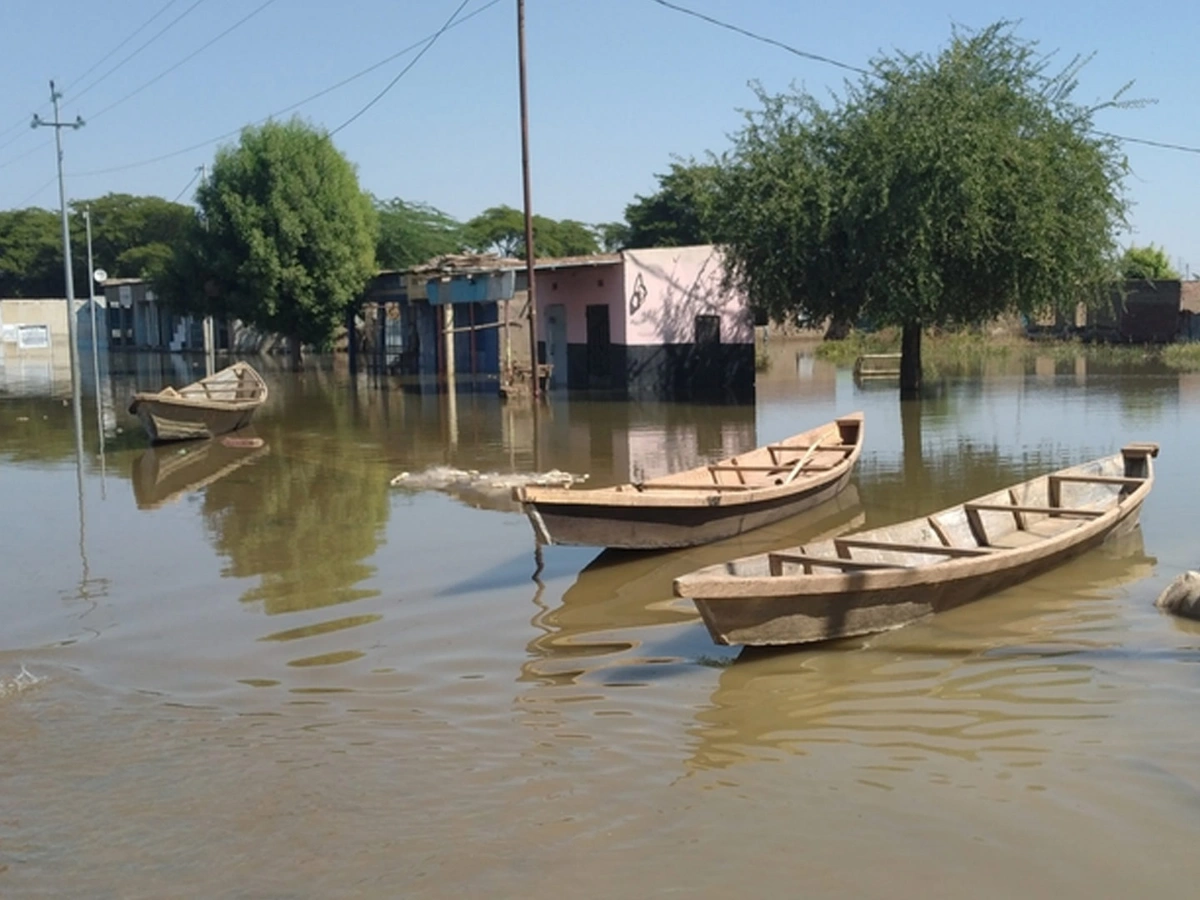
[801, 619]
[659, 527]
[708, 503]
[878, 580]
[165, 421]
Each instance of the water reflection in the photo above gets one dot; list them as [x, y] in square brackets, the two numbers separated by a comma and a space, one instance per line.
[163, 474]
[1000, 677]
[621, 595]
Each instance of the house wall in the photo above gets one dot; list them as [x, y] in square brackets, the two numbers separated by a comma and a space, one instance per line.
[577, 288]
[667, 287]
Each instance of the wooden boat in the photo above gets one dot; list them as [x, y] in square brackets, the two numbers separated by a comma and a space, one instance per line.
[883, 578]
[224, 401]
[162, 475]
[707, 503]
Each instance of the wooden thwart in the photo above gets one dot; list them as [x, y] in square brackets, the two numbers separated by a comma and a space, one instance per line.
[775, 563]
[1045, 510]
[843, 546]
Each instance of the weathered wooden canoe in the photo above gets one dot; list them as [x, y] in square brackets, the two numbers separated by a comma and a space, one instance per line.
[704, 504]
[224, 401]
[881, 579]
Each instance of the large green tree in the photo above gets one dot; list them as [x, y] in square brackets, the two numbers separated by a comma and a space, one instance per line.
[681, 213]
[413, 233]
[31, 258]
[501, 229]
[938, 191]
[287, 237]
[132, 237]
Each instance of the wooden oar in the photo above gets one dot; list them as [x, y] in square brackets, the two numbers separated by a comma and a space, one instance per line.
[803, 461]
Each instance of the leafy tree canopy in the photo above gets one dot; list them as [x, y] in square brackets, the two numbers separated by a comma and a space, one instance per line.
[681, 213]
[288, 237]
[414, 233]
[501, 229]
[939, 191]
[1147, 262]
[31, 259]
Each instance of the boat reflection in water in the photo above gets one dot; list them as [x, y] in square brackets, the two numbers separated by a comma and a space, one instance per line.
[620, 594]
[164, 473]
[954, 687]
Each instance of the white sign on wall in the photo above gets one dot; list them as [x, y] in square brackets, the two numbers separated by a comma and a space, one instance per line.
[125, 294]
[33, 337]
[8, 334]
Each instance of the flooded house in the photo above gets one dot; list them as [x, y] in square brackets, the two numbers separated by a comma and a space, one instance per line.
[647, 324]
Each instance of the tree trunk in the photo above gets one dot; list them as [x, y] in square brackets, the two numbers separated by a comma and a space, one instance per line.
[294, 352]
[910, 361]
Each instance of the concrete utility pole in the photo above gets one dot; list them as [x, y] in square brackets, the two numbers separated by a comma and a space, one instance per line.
[529, 254]
[210, 343]
[58, 126]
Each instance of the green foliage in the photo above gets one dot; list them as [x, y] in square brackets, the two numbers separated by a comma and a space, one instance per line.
[501, 229]
[132, 237]
[681, 213]
[288, 238]
[613, 236]
[940, 191]
[31, 261]
[414, 233]
[1147, 262]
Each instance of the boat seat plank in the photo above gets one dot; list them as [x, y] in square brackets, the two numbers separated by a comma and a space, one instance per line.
[1099, 479]
[775, 562]
[899, 547]
[693, 487]
[841, 448]
[1044, 510]
[739, 467]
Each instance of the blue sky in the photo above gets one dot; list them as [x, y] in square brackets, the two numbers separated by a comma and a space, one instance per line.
[617, 88]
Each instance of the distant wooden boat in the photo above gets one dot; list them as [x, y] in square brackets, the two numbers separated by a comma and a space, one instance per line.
[224, 401]
[881, 579]
[707, 503]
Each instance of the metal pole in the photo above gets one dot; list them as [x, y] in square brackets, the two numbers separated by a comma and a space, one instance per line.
[87, 218]
[529, 251]
[58, 126]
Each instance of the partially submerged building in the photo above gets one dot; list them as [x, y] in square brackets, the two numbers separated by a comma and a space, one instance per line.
[657, 323]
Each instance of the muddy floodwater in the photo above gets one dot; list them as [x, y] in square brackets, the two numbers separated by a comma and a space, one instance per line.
[266, 671]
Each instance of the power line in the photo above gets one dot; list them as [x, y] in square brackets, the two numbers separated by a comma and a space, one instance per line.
[75, 97]
[1148, 143]
[186, 186]
[391, 84]
[841, 65]
[22, 204]
[41, 146]
[759, 37]
[94, 66]
[321, 93]
[190, 56]
[22, 122]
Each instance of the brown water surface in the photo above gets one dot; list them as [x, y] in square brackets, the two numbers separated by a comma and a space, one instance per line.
[268, 672]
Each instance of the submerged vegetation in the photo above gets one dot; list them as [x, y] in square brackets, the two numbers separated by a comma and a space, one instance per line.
[949, 349]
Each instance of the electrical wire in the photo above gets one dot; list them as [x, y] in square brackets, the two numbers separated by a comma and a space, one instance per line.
[75, 96]
[833, 62]
[186, 186]
[250, 15]
[759, 37]
[391, 84]
[321, 93]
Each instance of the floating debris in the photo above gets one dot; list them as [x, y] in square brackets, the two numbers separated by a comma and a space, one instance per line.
[492, 490]
[23, 680]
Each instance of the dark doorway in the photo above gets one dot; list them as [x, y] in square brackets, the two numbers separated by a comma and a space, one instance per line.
[599, 347]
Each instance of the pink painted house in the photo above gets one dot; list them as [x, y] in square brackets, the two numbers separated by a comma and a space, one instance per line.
[653, 323]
